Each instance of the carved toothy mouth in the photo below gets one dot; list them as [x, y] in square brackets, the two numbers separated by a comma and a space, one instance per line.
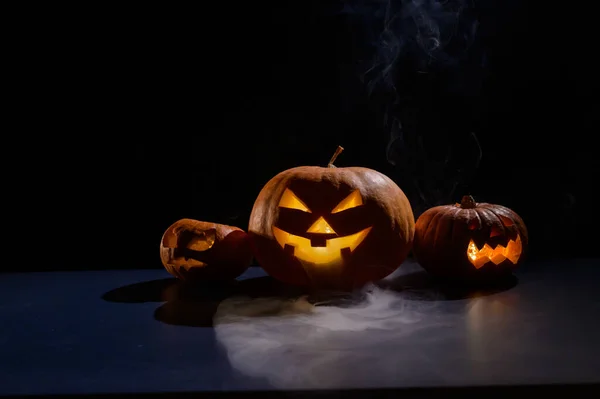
[333, 251]
[500, 253]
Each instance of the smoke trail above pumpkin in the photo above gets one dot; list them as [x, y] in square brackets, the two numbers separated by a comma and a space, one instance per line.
[426, 70]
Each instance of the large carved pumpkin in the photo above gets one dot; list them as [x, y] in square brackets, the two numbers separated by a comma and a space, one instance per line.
[193, 250]
[331, 228]
[470, 240]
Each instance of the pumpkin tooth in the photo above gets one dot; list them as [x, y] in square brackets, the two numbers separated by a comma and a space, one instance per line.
[318, 242]
[346, 253]
[289, 249]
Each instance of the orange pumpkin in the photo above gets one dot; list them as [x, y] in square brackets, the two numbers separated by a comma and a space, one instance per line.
[330, 227]
[470, 240]
[192, 250]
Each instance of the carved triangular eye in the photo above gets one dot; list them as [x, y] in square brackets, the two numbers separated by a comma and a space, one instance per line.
[496, 231]
[506, 221]
[289, 200]
[351, 201]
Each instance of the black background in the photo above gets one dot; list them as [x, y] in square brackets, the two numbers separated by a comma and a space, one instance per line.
[134, 118]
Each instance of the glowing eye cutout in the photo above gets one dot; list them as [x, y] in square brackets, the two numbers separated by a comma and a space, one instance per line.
[203, 241]
[289, 200]
[351, 201]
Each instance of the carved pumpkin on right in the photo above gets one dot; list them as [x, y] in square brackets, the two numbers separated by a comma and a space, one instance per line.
[470, 241]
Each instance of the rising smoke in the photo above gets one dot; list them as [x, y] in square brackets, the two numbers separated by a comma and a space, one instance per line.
[426, 60]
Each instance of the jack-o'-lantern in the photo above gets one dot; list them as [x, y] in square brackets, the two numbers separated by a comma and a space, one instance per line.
[470, 240]
[329, 227]
[193, 250]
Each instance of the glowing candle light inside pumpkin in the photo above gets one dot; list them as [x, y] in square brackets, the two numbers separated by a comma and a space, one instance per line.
[479, 257]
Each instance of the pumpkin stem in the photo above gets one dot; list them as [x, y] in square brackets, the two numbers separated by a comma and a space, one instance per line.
[337, 152]
[468, 202]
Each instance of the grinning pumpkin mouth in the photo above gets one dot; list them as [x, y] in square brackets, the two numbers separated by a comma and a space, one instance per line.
[498, 254]
[334, 250]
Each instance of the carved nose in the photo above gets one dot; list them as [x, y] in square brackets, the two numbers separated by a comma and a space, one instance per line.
[321, 226]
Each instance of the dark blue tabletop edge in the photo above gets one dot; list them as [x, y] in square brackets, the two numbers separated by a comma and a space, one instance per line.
[490, 391]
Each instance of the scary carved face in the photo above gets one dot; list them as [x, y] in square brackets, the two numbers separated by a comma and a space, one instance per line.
[320, 244]
[194, 250]
[331, 227]
[470, 239]
[494, 251]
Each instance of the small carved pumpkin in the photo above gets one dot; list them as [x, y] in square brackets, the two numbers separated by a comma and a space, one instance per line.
[331, 228]
[192, 250]
[470, 240]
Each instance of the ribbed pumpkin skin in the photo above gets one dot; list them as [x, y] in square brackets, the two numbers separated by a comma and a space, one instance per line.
[386, 210]
[443, 234]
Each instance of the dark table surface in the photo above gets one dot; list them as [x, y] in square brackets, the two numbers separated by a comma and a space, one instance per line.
[140, 331]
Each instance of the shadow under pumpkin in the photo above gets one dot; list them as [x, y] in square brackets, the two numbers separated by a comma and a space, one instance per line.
[421, 285]
[194, 304]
